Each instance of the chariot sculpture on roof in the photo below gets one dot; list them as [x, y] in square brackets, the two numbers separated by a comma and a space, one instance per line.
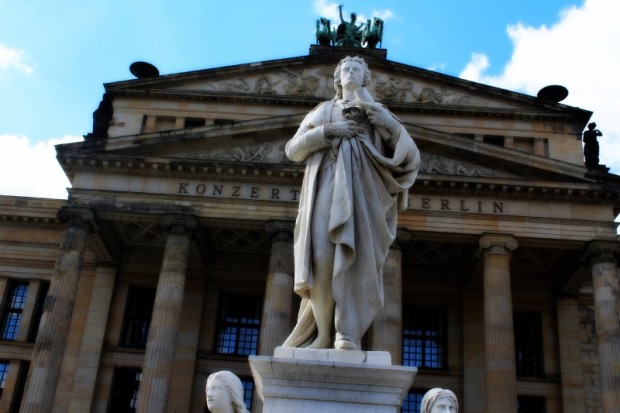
[348, 33]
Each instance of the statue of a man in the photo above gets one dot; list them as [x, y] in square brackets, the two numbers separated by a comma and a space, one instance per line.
[224, 393]
[360, 163]
[591, 146]
[439, 401]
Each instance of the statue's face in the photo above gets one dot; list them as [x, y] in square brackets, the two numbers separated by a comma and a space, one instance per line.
[352, 75]
[443, 405]
[218, 397]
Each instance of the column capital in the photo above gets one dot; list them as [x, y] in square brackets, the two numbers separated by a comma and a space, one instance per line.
[402, 238]
[603, 251]
[280, 230]
[179, 223]
[498, 243]
[76, 217]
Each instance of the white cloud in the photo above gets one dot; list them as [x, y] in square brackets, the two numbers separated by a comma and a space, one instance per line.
[580, 53]
[11, 58]
[29, 169]
[385, 14]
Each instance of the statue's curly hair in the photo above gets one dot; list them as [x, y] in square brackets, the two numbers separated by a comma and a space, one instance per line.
[234, 387]
[338, 83]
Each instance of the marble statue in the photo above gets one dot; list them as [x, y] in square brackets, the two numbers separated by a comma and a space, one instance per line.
[224, 393]
[360, 163]
[439, 401]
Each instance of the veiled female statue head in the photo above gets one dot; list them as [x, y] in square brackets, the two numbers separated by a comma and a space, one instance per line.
[439, 401]
[224, 393]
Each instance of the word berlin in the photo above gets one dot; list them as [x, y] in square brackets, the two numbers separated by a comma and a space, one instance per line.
[291, 194]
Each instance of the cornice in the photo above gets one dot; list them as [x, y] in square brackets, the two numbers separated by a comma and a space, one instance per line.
[186, 169]
[292, 174]
[502, 188]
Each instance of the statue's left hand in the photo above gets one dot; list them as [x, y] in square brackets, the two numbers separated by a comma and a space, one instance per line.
[380, 117]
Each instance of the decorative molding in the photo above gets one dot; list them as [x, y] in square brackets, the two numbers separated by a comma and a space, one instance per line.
[432, 164]
[498, 243]
[179, 224]
[280, 230]
[76, 217]
[603, 252]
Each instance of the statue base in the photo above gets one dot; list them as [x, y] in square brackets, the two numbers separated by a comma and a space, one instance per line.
[328, 381]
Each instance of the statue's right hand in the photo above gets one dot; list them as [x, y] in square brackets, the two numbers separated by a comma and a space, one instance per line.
[341, 129]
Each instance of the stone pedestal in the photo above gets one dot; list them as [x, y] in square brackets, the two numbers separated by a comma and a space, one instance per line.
[330, 381]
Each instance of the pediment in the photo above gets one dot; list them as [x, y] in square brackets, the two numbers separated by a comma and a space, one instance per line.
[311, 78]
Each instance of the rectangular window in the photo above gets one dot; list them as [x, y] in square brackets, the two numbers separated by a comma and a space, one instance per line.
[20, 386]
[412, 401]
[125, 390]
[194, 122]
[13, 311]
[138, 313]
[528, 344]
[424, 337]
[238, 324]
[531, 404]
[4, 372]
[493, 140]
[248, 392]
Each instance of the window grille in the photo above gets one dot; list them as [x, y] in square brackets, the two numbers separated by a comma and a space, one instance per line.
[238, 324]
[138, 313]
[424, 337]
[528, 344]
[13, 311]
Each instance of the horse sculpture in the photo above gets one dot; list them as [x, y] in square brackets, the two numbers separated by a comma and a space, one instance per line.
[324, 35]
[373, 33]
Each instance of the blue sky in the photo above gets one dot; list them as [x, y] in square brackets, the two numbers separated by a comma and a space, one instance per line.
[56, 56]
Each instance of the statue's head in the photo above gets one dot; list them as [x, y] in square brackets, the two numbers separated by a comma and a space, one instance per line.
[439, 400]
[591, 125]
[224, 393]
[337, 81]
[353, 17]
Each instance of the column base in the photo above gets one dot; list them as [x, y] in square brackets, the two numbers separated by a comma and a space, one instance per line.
[308, 381]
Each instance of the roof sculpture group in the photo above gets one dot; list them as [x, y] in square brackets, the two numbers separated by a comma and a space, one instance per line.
[349, 34]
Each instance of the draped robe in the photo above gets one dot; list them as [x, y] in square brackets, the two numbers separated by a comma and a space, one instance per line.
[369, 175]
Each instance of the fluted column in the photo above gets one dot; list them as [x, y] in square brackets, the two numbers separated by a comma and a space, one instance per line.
[54, 326]
[501, 377]
[276, 318]
[606, 307]
[161, 344]
[387, 329]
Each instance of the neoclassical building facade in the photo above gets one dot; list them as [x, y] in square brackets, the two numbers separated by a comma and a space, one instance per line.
[172, 257]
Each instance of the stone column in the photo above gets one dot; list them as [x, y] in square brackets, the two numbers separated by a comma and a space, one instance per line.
[606, 305]
[501, 376]
[387, 329]
[89, 359]
[161, 344]
[571, 364]
[276, 318]
[54, 326]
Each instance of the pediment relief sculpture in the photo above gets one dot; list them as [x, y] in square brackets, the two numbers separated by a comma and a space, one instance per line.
[318, 82]
[266, 152]
[434, 164]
